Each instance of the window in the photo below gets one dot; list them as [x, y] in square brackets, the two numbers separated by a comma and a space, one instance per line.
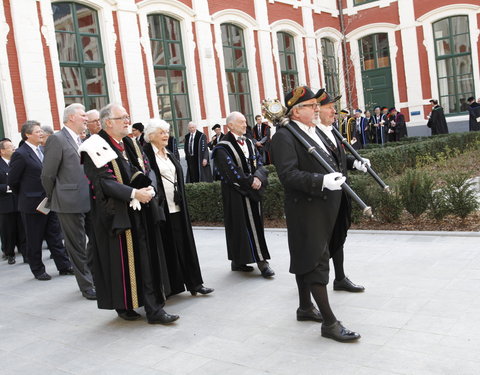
[454, 63]
[330, 67]
[374, 52]
[236, 70]
[80, 54]
[170, 72]
[288, 64]
[360, 2]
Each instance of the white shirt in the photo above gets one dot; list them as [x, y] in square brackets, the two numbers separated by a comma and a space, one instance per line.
[6, 160]
[244, 146]
[310, 131]
[35, 149]
[169, 176]
[327, 130]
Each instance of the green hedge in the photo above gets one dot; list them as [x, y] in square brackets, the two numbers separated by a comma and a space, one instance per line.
[205, 199]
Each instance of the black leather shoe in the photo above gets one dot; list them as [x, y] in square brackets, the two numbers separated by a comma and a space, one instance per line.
[347, 286]
[338, 332]
[241, 267]
[309, 315]
[90, 294]
[67, 271]
[202, 290]
[128, 314]
[267, 272]
[11, 260]
[163, 318]
[43, 277]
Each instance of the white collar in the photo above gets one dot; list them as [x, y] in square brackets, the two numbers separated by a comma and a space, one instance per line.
[32, 146]
[6, 160]
[74, 135]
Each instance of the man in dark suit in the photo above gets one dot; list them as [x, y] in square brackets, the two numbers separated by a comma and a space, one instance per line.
[474, 114]
[261, 138]
[24, 179]
[137, 131]
[313, 201]
[11, 228]
[436, 120]
[196, 155]
[68, 193]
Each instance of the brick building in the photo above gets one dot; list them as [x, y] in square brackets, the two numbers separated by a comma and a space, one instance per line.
[197, 60]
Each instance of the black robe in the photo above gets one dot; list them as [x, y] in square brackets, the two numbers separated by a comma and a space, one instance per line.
[474, 117]
[437, 122]
[195, 171]
[183, 265]
[379, 132]
[121, 267]
[242, 206]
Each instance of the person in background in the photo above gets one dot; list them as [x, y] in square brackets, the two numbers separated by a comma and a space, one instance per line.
[397, 127]
[47, 132]
[197, 156]
[217, 137]
[137, 131]
[436, 119]
[93, 122]
[261, 138]
[473, 114]
[177, 234]
[378, 126]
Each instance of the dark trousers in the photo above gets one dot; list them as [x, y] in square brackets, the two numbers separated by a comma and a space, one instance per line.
[192, 165]
[37, 228]
[12, 233]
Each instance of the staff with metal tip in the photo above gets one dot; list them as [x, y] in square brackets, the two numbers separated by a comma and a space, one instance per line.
[354, 152]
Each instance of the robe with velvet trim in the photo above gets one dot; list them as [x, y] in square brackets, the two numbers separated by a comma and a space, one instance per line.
[196, 172]
[242, 206]
[117, 264]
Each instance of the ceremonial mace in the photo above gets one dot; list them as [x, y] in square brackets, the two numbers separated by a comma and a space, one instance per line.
[275, 112]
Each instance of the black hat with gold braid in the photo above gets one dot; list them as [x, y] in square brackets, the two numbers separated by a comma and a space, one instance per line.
[303, 93]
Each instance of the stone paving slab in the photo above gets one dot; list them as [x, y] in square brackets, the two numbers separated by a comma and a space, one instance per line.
[419, 315]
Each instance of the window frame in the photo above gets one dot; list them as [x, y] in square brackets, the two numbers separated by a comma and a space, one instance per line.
[335, 75]
[80, 63]
[357, 3]
[287, 72]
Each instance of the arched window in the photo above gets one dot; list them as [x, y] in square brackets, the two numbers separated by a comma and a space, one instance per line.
[330, 67]
[236, 71]
[454, 63]
[80, 54]
[288, 64]
[170, 72]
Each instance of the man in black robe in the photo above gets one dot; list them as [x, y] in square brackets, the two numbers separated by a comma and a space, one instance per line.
[217, 137]
[314, 203]
[244, 179]
[129, 262]
[197, 156]
[474, 114]
[436, 120]
[397, 127]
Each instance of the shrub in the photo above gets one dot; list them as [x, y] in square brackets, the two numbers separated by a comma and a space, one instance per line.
[205, 201]
[389, 206]
[415, 189]
[273, 198]
[438, 207]
[460, 196]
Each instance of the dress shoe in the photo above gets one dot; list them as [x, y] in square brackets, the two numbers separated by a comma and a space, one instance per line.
[90, 294]
[338, 332]
[311, 314]
[163, 318]
[66, 271]
[11, 260]
[347, 286]
[43, 277]
[202, 290]
[241, 267]
[128, 314]
[267, 271]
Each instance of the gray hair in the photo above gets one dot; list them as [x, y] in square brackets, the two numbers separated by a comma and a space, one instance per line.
[152, 126]
[93, 111]
[71, 110]
[232, 117]
[27, 128]
[106, 113]
[47, 129]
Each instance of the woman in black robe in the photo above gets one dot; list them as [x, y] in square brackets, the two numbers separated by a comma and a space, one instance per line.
[177, 235]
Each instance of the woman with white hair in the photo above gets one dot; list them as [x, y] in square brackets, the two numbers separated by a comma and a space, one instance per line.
[179, 244]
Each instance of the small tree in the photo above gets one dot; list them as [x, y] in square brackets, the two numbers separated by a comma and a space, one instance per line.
[460, 196]
[416, 189]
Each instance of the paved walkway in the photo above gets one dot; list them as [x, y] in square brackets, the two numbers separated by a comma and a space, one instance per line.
[420, 314]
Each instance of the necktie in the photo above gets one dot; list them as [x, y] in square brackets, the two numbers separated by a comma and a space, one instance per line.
[190, 146]
[241, 140]
[259, 131]
[79, 141]
[40, 154]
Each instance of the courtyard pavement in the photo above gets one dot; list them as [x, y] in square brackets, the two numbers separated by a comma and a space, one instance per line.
[420, 314]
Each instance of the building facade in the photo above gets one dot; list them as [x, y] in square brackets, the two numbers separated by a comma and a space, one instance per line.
[198, 60]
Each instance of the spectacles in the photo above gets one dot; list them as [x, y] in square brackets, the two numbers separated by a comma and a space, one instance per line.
[123, 118]
[91, 121]
[313, 105]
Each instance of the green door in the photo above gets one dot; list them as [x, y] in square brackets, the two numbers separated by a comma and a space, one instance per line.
[376, 71]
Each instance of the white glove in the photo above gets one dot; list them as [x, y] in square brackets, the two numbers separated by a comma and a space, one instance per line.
[361, 166]
[333, 181]
[135, 204]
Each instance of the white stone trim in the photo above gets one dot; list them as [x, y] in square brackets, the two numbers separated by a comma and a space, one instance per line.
[248, 25]
[311, 47]
[298, 33]
[426, 22]
[353, 38]
[7, 104]
[185, 16]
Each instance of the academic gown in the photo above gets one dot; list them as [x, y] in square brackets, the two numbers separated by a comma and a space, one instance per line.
[129, 256]
[183, 265]
[437, 121]
[242, 207]
[195, 171]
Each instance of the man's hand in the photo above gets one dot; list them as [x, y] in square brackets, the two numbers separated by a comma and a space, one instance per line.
[204, 162]
[258, 144]
[144, 195]
[256, 184]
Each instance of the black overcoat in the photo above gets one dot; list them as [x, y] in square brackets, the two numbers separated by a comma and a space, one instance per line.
[437, 121]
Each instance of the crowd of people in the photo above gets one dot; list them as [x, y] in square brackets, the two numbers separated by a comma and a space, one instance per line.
[109, 200]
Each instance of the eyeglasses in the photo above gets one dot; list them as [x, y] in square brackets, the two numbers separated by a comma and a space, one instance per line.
[123, 118]
[92, 121]
[313, 105]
